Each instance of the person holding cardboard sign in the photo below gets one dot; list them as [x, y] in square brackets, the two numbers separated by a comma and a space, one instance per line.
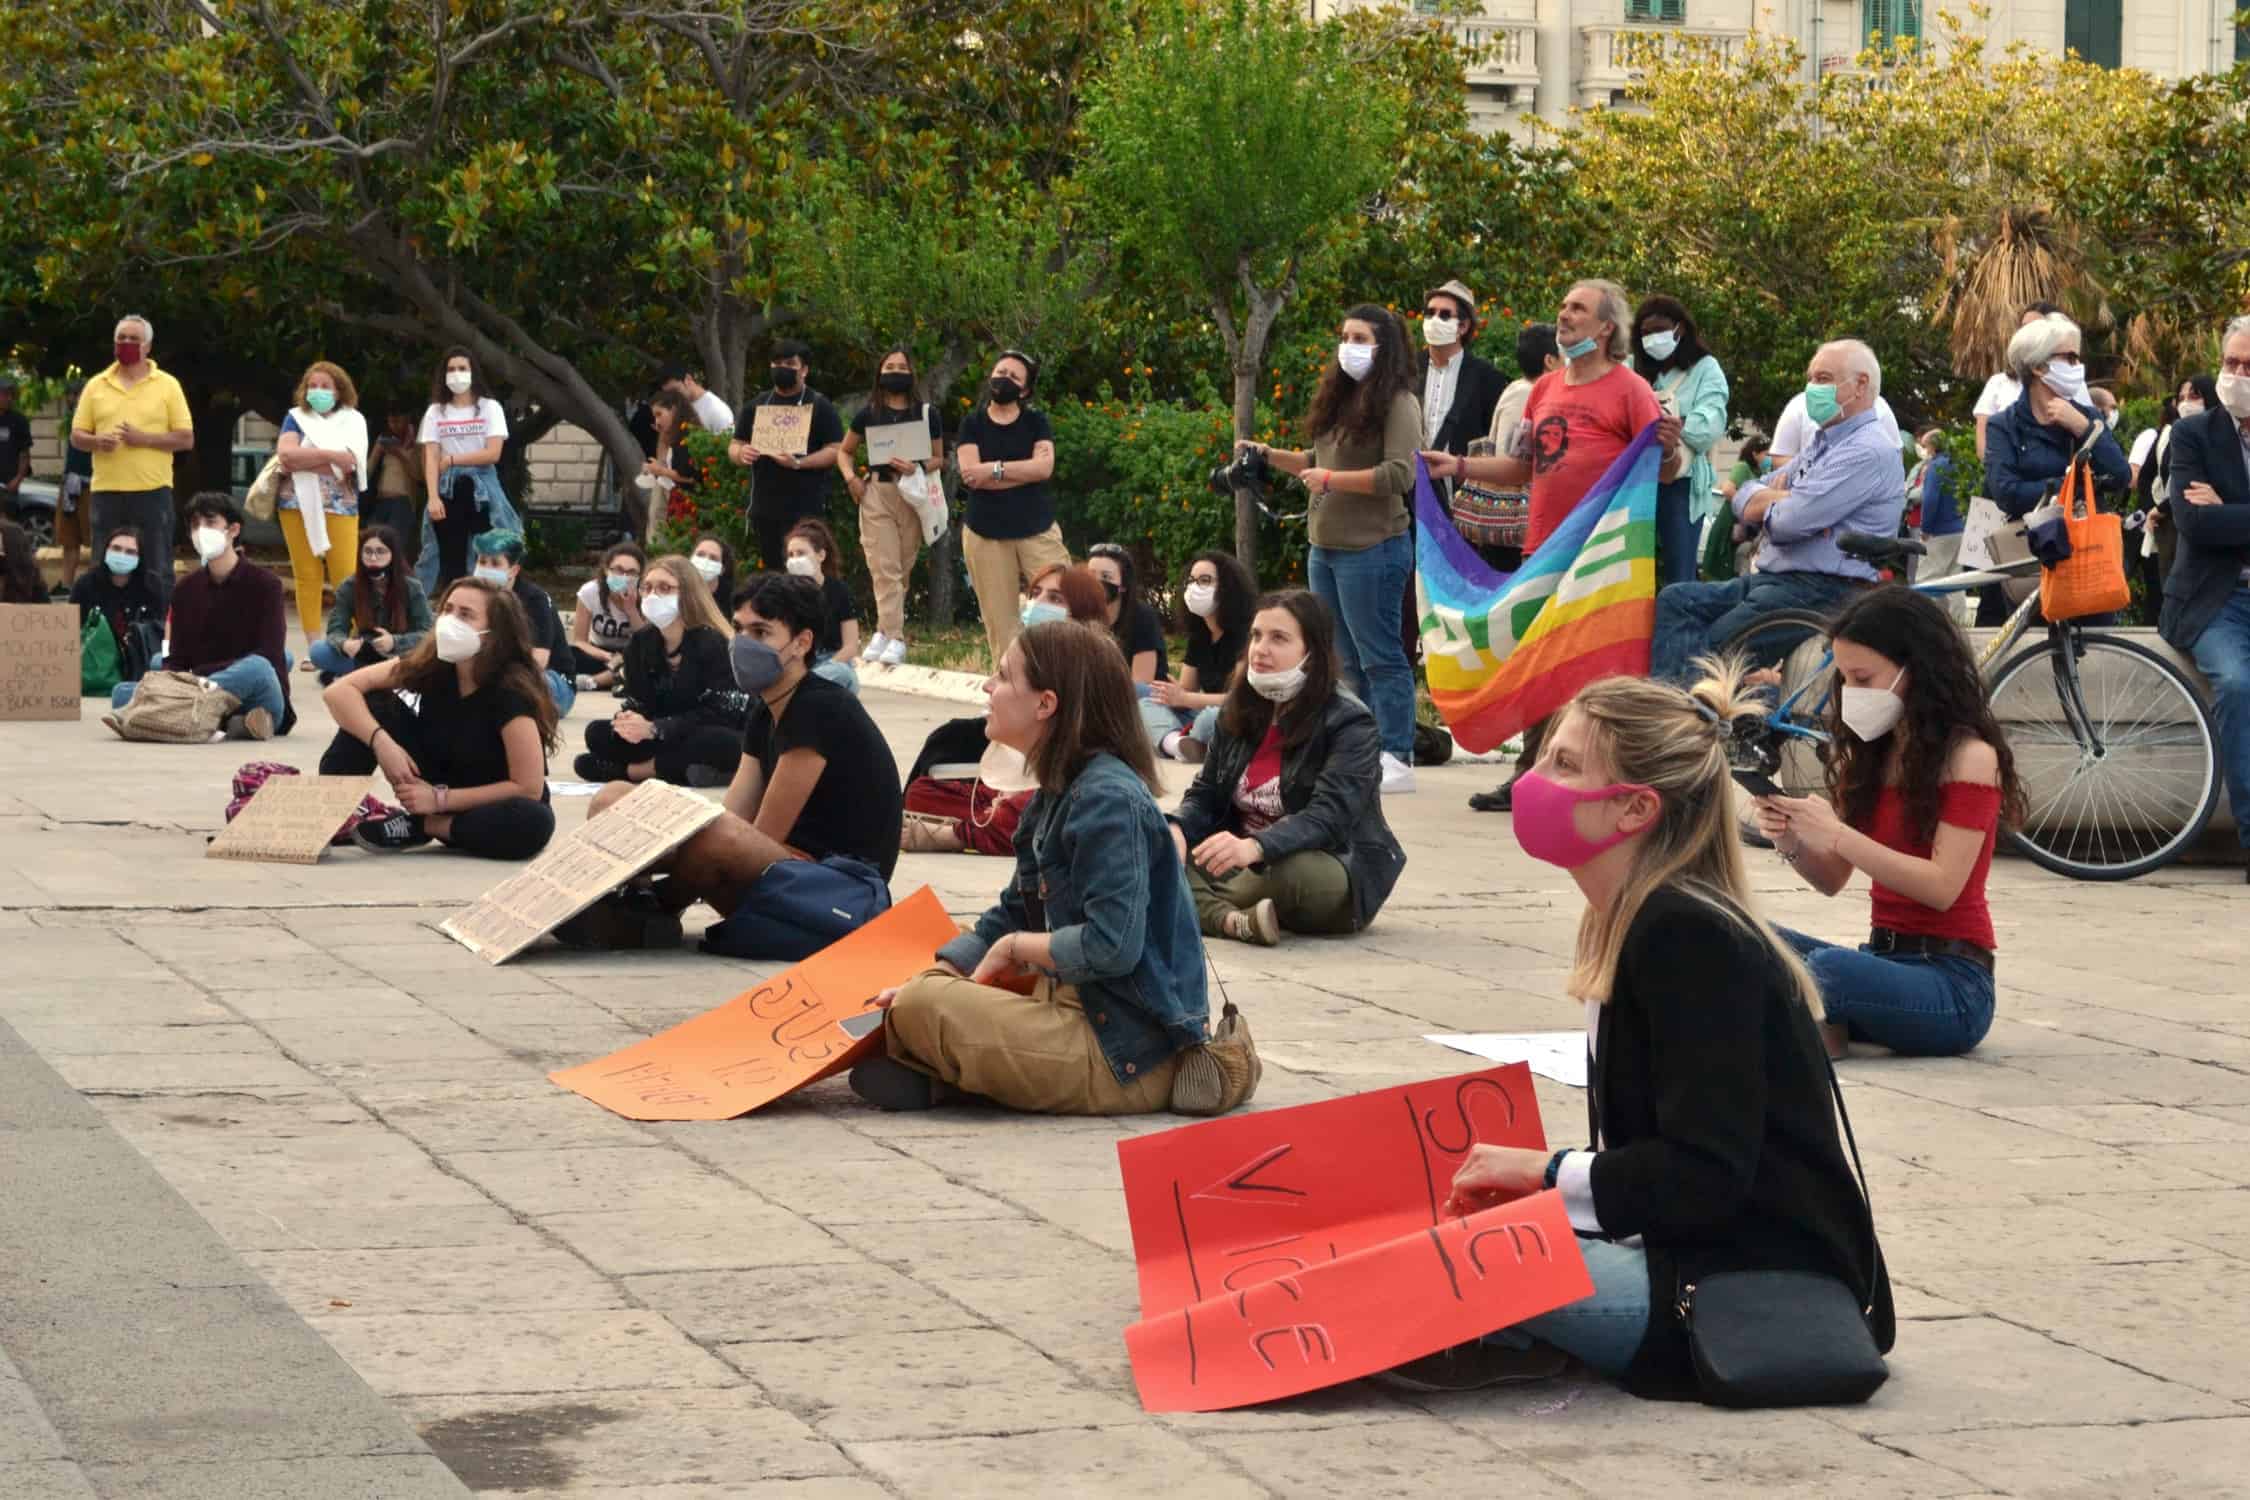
[890, 530]
[469, 760]
[788, 487]
[1006, 452]
[1096, 923]
[1715, 1150]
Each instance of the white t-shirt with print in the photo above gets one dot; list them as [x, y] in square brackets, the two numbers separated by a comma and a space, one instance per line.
[463, 429]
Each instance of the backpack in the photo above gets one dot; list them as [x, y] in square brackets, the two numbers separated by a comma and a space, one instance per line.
[798, 907]
[173, 708]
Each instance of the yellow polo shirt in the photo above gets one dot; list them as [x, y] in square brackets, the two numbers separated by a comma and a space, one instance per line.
[154, 403]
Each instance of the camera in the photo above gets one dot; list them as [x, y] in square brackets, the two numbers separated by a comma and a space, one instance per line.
[1247, 470]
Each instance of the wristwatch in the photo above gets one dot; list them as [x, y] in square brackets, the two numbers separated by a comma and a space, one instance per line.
[1000, 470]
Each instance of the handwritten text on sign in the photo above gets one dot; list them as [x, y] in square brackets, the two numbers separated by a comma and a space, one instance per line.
[1319, 1231]
[775, 1038]
[38, 661]
[781, 429]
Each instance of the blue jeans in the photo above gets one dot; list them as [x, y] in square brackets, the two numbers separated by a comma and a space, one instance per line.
[2222, 654]
[251, 680]
[842, 673]
[1606, 1329]
[1365, 591]
[1675, 534]
[1916, 1004]
[1696, 619]
[328, 659]
[563, 691]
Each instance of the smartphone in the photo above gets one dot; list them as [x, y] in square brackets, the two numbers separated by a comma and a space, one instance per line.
[1756, 783]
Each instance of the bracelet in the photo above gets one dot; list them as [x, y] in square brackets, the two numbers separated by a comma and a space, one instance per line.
[1554, 1167]
[442, 790]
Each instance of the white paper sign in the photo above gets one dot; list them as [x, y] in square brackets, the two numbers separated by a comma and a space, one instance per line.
[1560, 1055]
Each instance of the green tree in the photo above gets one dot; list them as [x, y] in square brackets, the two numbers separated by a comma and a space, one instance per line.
[1228, 142]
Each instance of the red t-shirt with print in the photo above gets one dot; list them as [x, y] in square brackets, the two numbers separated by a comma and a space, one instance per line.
[1572, 434]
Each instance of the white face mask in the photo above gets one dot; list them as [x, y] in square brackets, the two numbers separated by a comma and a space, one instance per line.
[2068, 382]
[459, 381]
[210, 542]
[1438, 331]
[660, 610]
[2190, 409]
[707, 566]
[1355, 360]
[1201, 599]
[1872, 712]
[803, 566]
[497, 577]
[1660, 346]
[2234, 395]
[457, 639]
[1277, 687]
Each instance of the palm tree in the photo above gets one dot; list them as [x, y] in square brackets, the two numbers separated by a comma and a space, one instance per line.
[2030, 257]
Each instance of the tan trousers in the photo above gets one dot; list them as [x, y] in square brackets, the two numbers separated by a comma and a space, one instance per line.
[891, 536]
[1033, 1052]
[308, 572]
[998, 571]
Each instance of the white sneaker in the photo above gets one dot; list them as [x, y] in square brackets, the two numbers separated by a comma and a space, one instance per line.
[1398, 776]
[894, 652]
[876, 645]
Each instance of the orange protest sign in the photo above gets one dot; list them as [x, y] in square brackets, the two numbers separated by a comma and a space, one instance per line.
[775, 1038]
[1292, 1249]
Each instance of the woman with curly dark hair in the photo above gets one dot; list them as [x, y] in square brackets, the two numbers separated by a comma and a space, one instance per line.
[1919, 780]
[1365, 424]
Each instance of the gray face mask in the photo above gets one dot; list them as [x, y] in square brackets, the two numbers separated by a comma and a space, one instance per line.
[757, 666]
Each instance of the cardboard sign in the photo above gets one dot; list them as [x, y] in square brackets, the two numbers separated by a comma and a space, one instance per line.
[799, 1026]
[579, 869]
[38, 662]
[1292, 1249]
[291, 820]
[907, 440]
[781, 429]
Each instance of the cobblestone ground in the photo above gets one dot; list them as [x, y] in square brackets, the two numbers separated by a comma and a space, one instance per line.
[825, 1303]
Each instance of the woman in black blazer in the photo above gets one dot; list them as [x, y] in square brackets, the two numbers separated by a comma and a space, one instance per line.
[1283, 829]
[1715, 1146]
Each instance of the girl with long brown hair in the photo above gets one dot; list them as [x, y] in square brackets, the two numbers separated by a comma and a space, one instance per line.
[1096, 925]
[468, 761]
[679, 715]
[380, 613]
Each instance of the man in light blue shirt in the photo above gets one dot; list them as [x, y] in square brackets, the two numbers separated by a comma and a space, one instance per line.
[1848, 479]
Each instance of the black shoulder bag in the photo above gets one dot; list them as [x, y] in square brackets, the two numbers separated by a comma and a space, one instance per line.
[1786, 1338]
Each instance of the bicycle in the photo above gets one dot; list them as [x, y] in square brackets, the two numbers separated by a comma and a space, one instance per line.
[2117, 751]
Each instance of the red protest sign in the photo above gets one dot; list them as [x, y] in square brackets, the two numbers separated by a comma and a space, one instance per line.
[775, 1038]
[1292, 1249]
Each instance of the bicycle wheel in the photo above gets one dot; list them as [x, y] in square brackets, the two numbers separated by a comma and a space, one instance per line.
[1793, 642]
[2117, 753]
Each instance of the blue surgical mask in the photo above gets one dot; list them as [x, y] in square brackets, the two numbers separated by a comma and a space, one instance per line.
[621, 582]
[120, 563]
[320, 400]
[1040, 611]
[1578, 350]
[497, 577]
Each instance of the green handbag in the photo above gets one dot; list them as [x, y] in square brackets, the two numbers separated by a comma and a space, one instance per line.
[98, 669]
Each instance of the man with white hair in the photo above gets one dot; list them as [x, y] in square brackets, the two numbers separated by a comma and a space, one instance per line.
[1847, 479]
[132, 418]
[2207, 597]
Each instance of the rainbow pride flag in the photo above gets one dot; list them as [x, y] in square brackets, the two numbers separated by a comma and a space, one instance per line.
[1505, 650]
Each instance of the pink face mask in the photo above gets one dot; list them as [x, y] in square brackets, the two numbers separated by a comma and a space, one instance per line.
[1546, 825]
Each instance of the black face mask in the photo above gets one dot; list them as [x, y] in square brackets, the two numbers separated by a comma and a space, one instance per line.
[1115, 593]
[897, 382]
[784, 377]
[1005, 391]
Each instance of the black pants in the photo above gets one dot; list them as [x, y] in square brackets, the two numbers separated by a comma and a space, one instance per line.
[718, 749]
[516, 828]
[456, 531]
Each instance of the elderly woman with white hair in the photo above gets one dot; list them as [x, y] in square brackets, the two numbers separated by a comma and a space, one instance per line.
[2028, 446]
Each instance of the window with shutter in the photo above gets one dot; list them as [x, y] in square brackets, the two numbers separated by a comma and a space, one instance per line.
[2095, 30]
[1656, 10]
[1892, 18]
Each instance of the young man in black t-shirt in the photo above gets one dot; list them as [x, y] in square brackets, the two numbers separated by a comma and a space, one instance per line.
[817, 791]
[786, 488]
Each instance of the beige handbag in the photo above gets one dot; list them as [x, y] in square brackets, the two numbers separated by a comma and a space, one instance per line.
[258, 504]
[173, 708]
[1222, 1073]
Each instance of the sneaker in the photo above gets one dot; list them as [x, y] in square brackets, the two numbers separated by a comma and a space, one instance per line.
[1499, 799]
[890, 1084]
[876, 645]
[250, 724]
[1475, 1366]
[584, 681]
[591, 767]
[1261, 924]
[923, 833]
[894, 652]
[1192, 750]
[1169, 746]
[622, 920]
[392, 834]
[1398, 776]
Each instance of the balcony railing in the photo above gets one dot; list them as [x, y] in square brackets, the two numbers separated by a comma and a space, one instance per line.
[1506, 54]
[1611, 55]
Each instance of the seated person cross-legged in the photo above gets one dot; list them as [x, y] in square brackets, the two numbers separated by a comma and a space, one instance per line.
[499, 562]
[1078, 992]
[1283, 830]
[380, 613]
[1848, 479]
[812, 815]
[1919, 777]
[468, 761]
[1715, 1141]
[679, 717]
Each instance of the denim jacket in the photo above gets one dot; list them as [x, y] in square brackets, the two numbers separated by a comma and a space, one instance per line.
[1097, 864]
[492, 502]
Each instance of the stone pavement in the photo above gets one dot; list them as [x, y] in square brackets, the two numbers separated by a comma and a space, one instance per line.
[825, 1303]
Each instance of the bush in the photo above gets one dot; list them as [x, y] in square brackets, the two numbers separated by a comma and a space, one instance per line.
[716, 498]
